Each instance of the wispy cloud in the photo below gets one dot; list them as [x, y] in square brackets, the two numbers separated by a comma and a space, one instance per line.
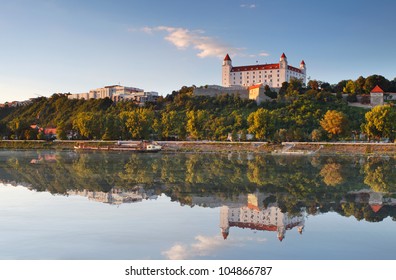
[249, 6]
[184, 38]
[263, 53]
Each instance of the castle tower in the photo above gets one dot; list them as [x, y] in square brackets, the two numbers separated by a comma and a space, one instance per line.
[303, 69]
[283, 68]
[224, 223]
[226, 71]
[283, 61]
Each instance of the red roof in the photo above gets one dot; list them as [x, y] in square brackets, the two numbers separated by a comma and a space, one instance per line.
[262, 67]
[253, 87]
[255, 226]
[376, 207]
[377, 89]
[48, 131]
[294, 69]
[302, 62]
[227, 57]
[225, 235]
[283, 55]
[255, 67]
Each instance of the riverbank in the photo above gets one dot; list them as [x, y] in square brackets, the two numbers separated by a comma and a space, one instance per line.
[224, 147]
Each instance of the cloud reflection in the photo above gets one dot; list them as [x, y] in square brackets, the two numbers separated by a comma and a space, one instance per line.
[204, 246]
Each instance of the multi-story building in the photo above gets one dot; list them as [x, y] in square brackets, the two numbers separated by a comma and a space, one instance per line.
[118, 93]
[273, 74]
[259, 218]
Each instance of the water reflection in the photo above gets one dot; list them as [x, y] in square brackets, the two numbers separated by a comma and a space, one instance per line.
[252, 191]
[254, 216]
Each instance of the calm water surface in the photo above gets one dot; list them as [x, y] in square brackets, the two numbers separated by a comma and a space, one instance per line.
[69, 205]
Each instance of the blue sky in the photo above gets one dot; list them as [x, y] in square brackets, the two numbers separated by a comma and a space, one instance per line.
[73, 46]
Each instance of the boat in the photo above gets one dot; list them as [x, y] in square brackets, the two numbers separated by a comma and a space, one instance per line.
[139, 147]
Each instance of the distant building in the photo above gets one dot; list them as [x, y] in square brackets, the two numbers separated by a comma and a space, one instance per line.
[116, 196]
[376, 96]
[118, 93]
[215, 90]
[257, 93]
[273, 74]
[15, 103]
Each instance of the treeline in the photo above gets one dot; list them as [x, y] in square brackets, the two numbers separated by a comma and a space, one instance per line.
[296, 113]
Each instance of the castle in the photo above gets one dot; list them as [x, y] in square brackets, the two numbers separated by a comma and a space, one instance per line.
[272, 75]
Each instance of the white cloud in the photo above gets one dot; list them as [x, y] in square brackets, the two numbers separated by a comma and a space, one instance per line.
[184, 38]
[250, 6]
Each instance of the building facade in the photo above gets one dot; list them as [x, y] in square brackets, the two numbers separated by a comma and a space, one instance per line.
[118, 93]
[256, 217]
[272, 75]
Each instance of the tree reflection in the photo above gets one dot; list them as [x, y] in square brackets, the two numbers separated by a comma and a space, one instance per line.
[331, 173]
[292, 182]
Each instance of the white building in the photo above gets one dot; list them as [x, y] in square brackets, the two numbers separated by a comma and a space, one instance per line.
[272, 75]
[118, 93]
[256, 218]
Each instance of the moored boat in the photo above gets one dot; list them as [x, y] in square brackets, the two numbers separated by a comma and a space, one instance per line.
[141, 147]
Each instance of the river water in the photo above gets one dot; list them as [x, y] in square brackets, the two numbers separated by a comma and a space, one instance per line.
[84, 205]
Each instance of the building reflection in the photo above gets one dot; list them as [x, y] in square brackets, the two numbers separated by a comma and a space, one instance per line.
[116, 196]
[255, 216]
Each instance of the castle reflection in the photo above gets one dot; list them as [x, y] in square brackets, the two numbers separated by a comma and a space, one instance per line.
[253, 215]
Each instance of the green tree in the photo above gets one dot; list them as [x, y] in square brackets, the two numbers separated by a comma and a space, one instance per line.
[359, 84]
[88, 124]
[380, 122]
[196, 120]
[313, 84]
[350, 87]
[261, 123]
[373, 80]
[139, 122]
[173, 123]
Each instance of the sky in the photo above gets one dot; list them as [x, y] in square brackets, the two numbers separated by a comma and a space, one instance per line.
[52, 46]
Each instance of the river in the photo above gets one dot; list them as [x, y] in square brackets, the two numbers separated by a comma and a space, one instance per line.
[86, 205]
